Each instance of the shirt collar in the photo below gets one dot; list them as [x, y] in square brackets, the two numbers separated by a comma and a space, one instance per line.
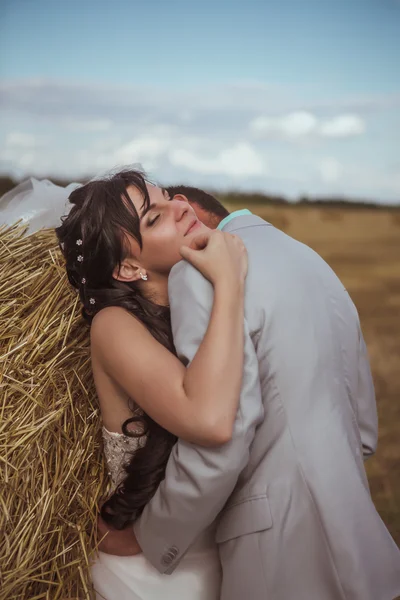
[236, 213]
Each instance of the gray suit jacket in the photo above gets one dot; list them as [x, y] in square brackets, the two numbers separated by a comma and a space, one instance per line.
[295, 516]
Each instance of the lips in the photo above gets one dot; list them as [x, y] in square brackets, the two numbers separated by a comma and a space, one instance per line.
[192, 226]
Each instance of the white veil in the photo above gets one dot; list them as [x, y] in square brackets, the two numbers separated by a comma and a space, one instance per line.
[39, 203]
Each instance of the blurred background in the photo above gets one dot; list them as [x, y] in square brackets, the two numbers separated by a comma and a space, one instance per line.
[289, 108]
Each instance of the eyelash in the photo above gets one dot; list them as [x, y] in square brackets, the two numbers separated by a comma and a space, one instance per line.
[151, 222]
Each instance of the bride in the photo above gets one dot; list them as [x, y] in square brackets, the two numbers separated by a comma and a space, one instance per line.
[120, 239]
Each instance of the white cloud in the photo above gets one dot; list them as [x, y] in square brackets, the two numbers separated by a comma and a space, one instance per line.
[142, 149]
[342, 126]
[303, 124]
[18, 139]
[202, 136]
[27, 160]
[168, 145]
[373, 181]
[90, 102]
[272, 110]
[87, 124]
[148, 149]
[239, 161]
[21, 150]
[330, 170]
[292, 125]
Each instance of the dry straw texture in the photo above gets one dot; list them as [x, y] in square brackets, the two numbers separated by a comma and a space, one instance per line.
[51, 471]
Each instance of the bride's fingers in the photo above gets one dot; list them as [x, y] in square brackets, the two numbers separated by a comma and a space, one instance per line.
[200, 241]
[191, 252]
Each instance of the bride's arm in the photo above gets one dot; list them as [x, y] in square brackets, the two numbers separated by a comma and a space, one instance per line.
[197, 403]
[199, 481]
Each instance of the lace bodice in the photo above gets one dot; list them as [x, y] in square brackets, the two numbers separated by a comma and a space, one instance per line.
[118, 450]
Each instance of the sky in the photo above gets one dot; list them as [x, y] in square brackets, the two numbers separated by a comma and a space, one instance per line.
[290, 97]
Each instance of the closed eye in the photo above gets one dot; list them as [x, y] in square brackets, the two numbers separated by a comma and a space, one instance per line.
[152, 220]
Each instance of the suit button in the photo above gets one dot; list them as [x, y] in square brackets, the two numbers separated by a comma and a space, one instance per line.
[169, 556]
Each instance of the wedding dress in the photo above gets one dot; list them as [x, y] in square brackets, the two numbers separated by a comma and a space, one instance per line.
[40, 204]
[197, 577]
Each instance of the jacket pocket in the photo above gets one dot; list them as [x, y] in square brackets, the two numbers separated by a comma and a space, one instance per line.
[248, 516]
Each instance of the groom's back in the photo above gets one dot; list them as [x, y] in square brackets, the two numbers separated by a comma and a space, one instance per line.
[307, 335]
[320, 417]
[306, 332]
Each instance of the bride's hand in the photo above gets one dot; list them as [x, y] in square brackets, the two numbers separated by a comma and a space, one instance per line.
[218, 255]
[117, 542]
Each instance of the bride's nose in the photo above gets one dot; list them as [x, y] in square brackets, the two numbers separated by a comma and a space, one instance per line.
[181, 208]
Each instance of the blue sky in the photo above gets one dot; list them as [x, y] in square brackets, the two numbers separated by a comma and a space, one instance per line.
[292, 97]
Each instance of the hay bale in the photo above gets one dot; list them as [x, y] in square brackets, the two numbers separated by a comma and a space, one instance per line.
[52, 474]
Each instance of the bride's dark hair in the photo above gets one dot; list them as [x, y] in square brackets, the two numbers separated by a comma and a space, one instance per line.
[94, 240]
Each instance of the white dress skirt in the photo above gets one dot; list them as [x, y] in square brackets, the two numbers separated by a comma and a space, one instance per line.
[197, 577]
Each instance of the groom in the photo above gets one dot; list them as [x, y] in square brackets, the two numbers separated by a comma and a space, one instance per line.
[295, 516]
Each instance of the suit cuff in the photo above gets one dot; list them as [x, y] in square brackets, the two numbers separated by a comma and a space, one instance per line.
[163, 556]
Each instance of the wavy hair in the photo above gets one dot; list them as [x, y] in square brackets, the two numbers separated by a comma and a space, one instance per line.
[93, 238]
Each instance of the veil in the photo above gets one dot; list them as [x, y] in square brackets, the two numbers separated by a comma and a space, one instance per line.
[41, 203]
[38, 203]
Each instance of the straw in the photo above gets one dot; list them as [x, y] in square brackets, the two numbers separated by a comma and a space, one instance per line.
[52, 474]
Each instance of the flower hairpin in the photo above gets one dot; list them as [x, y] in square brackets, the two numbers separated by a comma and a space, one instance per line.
[83, 280]
[92, 301]
[79, 242]
[79, 258]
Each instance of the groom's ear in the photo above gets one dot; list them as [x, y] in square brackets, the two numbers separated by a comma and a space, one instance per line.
[181, 197]
[207, 217]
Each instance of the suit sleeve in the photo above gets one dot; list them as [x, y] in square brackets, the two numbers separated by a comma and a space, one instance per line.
[198, 480]
[367, 417]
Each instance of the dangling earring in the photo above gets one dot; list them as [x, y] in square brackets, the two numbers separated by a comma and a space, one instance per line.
[144, 277]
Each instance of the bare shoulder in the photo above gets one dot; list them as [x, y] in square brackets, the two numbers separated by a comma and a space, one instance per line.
[113, 316]
[112, 324]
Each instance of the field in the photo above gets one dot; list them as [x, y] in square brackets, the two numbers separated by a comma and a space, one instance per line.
[362, 245]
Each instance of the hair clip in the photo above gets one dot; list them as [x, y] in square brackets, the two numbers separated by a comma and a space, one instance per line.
[79, 242]
[80, 258]
[83, 280]
[92, 301]
[62, 245]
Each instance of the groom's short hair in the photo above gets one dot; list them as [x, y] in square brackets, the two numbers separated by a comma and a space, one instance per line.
[208, 209]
